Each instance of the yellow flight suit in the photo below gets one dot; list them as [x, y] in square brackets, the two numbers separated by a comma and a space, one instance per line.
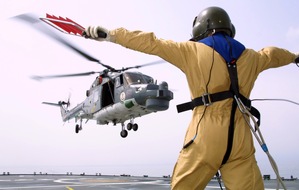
[198, 163]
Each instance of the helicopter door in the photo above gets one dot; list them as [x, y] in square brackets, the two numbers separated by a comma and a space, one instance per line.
[119, 87]
[107, 94]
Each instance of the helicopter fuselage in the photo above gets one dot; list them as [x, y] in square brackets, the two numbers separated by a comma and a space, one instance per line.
[120, 97]
[135, 101]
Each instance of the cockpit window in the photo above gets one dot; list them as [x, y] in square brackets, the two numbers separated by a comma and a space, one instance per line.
[138, 78]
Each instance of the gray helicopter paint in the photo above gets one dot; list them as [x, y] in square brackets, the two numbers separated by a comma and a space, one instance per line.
[127, 101]
[144, 102]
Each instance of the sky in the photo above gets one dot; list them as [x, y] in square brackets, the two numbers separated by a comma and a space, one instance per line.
[34, 138]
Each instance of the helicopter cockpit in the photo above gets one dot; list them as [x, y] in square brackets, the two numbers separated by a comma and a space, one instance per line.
[137, 78]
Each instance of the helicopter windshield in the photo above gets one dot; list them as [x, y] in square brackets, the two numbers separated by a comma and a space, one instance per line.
[138, 78]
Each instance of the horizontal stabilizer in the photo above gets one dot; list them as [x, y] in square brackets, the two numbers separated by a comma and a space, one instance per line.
[51, 104]
[60, 103]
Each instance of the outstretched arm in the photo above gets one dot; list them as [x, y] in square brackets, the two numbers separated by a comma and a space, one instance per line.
[146, 42]
[273, 57]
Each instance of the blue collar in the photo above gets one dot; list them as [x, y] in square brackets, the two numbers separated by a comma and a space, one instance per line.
[229, 48]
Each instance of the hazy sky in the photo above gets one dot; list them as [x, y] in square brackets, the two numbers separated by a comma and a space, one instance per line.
[33, 136]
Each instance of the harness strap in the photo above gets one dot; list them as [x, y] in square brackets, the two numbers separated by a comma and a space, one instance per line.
[209, 99]
[233, 75]
[231, 130]
[205, 99]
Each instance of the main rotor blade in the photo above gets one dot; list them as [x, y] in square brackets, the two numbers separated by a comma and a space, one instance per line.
[143, 65]
[39, 78]
[40, 26]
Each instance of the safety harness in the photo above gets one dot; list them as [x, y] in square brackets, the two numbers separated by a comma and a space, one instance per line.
[230, 50]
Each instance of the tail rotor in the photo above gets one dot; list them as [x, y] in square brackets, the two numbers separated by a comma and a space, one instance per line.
[64, 104]
[68, 104]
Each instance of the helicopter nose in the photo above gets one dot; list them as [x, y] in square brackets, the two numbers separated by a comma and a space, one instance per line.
[157, 104]
[161, 101]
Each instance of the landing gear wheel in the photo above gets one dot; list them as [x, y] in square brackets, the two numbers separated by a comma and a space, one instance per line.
[77, 128]
[124, 133]
[135, 127]
[129, 126]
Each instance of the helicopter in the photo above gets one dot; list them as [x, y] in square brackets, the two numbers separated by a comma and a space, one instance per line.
[115, 96]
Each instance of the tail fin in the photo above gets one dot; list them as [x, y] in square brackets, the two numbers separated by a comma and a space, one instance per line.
[61, 104]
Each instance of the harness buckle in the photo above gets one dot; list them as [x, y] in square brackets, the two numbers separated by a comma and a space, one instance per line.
[206, 99]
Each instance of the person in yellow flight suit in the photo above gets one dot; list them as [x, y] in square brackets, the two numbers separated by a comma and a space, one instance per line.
[218, 137]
